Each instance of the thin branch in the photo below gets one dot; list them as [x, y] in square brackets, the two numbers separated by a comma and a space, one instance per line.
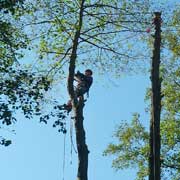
[65, 29]
[95, 27]
[112, 7]
[65, 54]
[103, 48]
[40, 22]
[105, 44]
[100, 41]
[174, 166]
[103, 5]
[117, 21]
[177, 83]
[54, 52]
[103, 13]
[106, 23]
[109, 32]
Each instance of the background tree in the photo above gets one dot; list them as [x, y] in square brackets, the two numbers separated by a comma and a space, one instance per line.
[20, 89]
[132, 149]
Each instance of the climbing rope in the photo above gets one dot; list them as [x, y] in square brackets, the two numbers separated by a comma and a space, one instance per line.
[71, 138]
[64, 155]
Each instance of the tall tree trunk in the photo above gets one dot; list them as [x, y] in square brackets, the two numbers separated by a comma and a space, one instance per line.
[81, 143]
[155, 141]
[78, 105]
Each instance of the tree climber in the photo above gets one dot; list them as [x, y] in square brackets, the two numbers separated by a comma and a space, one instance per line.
[84, 82]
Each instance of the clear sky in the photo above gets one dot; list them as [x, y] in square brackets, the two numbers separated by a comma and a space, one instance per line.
[37, 149]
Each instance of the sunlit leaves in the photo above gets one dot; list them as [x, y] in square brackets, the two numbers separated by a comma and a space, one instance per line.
[173, 32]
[104, 29]
[131, 149]
[127, 135]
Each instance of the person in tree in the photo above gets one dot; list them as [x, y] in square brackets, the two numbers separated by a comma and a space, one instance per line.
[84, 82]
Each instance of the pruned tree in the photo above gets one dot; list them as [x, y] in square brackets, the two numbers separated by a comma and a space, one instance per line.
[155, 141]
[132, 148]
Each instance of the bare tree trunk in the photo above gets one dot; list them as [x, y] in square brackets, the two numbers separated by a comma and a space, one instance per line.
[78, 105]
[155, 141]
[81, 143]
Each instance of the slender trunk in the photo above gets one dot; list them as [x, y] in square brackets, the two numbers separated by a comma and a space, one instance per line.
[81, 143]
[156, 103]
[78, 105]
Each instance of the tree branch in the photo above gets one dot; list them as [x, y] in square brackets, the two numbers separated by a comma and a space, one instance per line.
[65, 54]
[103, 48]
[173, 166]
[117, 21]
[111, 7]
[74, 56]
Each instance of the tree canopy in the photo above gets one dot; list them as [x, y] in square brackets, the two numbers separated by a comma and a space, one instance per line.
[20, 89]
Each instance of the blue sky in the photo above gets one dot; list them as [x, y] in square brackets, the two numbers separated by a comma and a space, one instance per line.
[37, 149]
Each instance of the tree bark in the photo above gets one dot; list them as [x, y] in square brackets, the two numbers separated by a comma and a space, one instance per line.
[155, 141]
[81, 143]
[78, 104]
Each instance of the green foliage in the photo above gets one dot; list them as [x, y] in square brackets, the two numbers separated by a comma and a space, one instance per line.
[170, 118]
[9, 43]
[12, 38]
[132, 149]
[59, 114]
[20, 89]
[173, 40]
[170, 136]
[128, 134]
[10, 5]
[171, 89]
[55, 22]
